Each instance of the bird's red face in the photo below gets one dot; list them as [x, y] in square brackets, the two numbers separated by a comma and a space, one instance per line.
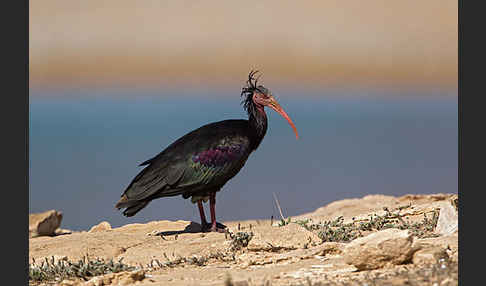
[264, 97]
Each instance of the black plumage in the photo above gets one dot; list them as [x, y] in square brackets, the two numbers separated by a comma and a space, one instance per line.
[199, 163]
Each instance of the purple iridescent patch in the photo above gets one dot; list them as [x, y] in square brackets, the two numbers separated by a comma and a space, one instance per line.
[218, 156]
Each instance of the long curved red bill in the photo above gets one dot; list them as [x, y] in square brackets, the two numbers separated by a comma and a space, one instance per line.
[276, 106]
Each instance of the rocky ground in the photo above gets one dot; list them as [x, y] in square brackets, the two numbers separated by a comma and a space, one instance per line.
[374, 240]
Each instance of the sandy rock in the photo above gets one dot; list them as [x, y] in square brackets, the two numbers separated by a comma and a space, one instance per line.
[380, 249]
[316, 271]
[291, 236]
[62, 231]
[455, 201]
[138, 275]
[272, 252]
[450, 243]
[102, 226]
[331, 248]
[44, 224]
[237, 283]
[429, 255]
[121, 278]
[421, 198]
[351, 207]
[96, 281]
[67, 282]
[448, 219]
[129, 278]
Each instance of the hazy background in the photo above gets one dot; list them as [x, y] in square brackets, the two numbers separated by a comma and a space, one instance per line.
[371, 86]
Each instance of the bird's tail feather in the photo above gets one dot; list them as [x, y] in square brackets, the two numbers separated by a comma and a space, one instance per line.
[135, 208]
[123, 202]
[132, 207]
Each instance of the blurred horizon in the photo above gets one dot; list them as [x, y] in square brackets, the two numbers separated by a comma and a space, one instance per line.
[185, 44]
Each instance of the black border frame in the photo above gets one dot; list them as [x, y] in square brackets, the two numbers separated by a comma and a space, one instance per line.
[470, 151]
[15, 142]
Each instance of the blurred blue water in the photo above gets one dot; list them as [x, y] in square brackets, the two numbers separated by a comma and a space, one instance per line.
[85, 151]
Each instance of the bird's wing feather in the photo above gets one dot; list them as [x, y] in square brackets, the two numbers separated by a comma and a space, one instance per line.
[190, 165]
[151, 180]
[215, 165]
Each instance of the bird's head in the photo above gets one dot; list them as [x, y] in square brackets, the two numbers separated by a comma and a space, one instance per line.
[256, 97]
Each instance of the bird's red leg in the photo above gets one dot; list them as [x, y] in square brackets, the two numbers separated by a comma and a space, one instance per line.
[204, 223]
[212, 206]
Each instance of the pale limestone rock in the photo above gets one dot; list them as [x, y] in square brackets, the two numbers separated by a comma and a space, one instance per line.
[448, 219]
[429, 255]
[102, 226]
[44, 224]
[380, 249]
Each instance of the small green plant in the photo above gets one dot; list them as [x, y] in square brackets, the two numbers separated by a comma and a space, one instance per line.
[338, 231]
[304, 223]
[192, 260]
[240, 240]
[50, 270]
[284, 222]
[424, 228]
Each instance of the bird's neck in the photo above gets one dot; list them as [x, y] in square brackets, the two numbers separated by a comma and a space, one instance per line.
[258, 125]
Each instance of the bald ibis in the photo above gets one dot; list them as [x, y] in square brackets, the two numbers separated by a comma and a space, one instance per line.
[199, 163]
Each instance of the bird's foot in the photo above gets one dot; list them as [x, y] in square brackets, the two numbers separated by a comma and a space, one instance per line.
[218, 227]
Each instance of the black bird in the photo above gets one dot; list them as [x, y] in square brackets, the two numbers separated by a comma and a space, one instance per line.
[199, 163]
